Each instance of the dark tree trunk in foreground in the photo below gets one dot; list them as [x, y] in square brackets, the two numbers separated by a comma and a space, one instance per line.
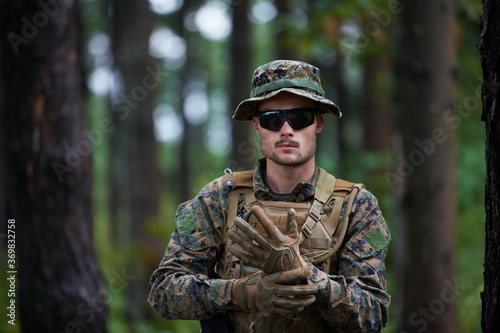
[489, 46]
[60, 287]
[424, 175]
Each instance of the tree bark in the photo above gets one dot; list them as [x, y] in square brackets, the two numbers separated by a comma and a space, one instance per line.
[424, 177]
[185, 168]
[242, 154]
[49, 168]
[337, 75]
[489, 46]
[376, 115]
[286, 47]
[133, 173]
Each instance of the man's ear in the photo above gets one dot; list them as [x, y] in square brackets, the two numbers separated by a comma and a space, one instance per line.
[319, 120]
[256, 126]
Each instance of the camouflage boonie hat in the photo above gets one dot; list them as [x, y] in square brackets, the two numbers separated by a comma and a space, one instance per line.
[296, 77]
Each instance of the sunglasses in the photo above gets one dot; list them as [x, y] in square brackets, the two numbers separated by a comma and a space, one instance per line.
[298, 118]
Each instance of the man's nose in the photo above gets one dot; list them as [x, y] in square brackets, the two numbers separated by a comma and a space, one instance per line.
[286, 128]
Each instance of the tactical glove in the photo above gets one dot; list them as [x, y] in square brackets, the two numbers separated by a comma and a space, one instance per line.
[272, 293]
[274, 253]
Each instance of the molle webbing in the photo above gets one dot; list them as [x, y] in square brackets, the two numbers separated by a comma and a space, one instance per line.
[319, 241]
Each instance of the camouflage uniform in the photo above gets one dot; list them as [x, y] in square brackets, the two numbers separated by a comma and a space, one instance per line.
[186, 285]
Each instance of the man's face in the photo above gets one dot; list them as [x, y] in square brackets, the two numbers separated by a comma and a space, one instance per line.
[288, 147]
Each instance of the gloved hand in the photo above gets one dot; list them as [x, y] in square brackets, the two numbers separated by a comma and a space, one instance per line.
[273, 294]
[274, 253]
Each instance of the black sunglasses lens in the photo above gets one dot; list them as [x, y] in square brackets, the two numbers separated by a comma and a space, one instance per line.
[300, 119]
[272, 121]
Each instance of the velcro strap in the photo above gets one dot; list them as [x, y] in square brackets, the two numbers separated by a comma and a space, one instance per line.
[243, 178]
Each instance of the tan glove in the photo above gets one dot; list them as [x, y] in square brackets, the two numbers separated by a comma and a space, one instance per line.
[273, 294]
[274, 253]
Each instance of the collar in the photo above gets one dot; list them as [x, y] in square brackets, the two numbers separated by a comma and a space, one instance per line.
[304, 191]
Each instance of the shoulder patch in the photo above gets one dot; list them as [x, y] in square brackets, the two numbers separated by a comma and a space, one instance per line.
[377, 239]
[186, 225]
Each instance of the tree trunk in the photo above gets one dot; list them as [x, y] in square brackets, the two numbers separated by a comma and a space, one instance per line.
[286, 47]
[3, 139]
[49, 168]
[424, 177]
[133, 174]
[242, 154]
[490, 59]
[377, 122]
[343, 101]
[185, 169]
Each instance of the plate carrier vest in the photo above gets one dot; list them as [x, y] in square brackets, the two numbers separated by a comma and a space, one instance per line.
[322, 223]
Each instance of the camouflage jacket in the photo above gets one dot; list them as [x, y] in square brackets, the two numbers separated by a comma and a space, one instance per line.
[186, 286]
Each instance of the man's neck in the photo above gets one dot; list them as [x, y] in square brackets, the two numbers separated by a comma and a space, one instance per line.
[283, 179]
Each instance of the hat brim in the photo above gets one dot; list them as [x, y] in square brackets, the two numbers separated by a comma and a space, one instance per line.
[247, 108]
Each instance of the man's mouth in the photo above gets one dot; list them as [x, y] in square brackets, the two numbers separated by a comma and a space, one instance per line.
[286, 144]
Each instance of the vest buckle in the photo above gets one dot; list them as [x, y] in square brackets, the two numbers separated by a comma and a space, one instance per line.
[306, 230]
[315, 215]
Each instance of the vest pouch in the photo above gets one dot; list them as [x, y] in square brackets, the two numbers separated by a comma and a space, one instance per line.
[277, 211]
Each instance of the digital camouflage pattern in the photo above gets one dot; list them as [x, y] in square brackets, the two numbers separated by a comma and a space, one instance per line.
[292, 76]
[352, 299]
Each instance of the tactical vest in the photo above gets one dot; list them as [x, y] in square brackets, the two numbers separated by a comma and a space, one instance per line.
[322, 223]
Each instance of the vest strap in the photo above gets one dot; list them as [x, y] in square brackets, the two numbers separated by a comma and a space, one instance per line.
[331, 221]
[242, 184]
[342, 222]
[324, 188]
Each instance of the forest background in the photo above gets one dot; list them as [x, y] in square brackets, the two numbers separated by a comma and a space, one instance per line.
[162, 79]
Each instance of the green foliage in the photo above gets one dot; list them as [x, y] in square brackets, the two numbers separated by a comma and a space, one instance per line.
[472, 9]
[470, 172]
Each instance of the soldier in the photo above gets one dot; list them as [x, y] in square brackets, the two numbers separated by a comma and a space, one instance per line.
[286, 247]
